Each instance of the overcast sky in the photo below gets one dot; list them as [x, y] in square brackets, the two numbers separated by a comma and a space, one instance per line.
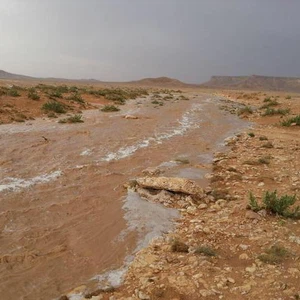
[119, 40]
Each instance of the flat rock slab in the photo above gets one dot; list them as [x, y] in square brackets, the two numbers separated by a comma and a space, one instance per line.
[177, 185]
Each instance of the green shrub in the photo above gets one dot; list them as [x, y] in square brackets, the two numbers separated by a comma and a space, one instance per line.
[272, 112]
[181, 97]
[270, 103]
[276, 205]
[73, 89]
[263, 138]
[76, 97]
[54, 94]
[290, 121]
[251, 134]
[109, 108]
[54, 106]
[245, 110]
[264, 160]
[178, 246]
[267, 99]
[32, 94]
[3, 91]
[268, 145]
[288, 97]
[205, 250]
[72, 119]
[13, 92]
[274, 255]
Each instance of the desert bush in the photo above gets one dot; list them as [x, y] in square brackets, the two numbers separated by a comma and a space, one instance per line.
[245, 110]
[263, 138]
[251, 134]
[270, 103]
[272, 111]
[72, 119]
[288, 97]
[32, 94]
[274, 255]
[178, 246]
[290, 121]
[109, 108]
[13, 92]
[3, 91]
[54, 94]
[205, 250]
[267, 99]
[76, 97]
[268, 145]
[276, 205]
[264, 160]
[73, 89]
[181, 97]
[118, 95]
[54, 106]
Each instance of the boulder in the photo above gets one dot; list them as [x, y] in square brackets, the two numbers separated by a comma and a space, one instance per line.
[177, 185]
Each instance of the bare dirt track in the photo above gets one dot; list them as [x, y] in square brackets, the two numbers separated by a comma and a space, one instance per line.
[61, 186]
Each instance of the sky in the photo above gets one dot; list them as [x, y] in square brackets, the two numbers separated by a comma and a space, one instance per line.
[121, 40]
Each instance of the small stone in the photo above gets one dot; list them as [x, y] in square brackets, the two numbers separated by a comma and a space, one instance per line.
[262, 213]
[244, 289]
[131, 117]
[143, 296]
[206, 230]
[261, 184]
[191, 210]
[252, 215]
[202, 206]
[244, 256]
[207, 293]
[231, 280]
[221, 202]
[251, 269]
[243, 247]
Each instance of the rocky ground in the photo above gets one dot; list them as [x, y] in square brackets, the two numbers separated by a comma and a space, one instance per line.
[221, 249]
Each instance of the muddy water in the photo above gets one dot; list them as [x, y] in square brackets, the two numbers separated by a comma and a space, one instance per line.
[61, 199]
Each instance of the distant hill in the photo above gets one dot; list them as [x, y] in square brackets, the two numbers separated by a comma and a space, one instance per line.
[6, 75]
[161, 81]
[254, 82]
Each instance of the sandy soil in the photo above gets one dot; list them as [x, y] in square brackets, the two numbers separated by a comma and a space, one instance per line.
[61, 186]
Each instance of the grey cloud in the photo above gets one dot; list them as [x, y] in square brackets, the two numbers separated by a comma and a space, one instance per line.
[129, 39]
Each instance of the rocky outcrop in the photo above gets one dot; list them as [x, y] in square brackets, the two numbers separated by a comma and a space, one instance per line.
[177, 185]
[254, 82]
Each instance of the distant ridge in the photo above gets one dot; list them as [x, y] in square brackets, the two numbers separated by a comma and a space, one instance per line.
[6, 75]
[159, 81]
[254, 82]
